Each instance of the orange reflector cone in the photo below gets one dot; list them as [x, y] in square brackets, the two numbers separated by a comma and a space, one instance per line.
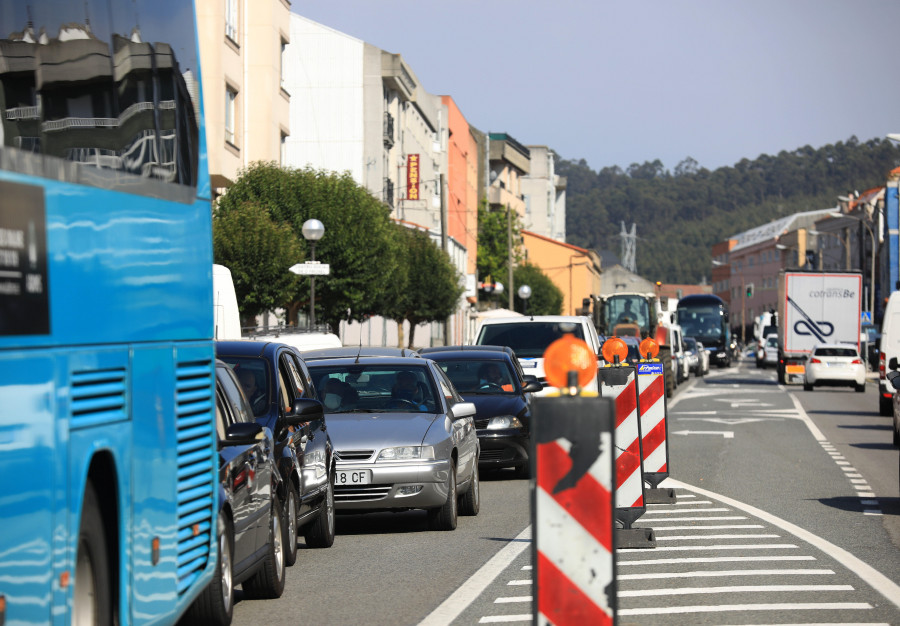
[614, 347]
[649, 348]
[568, 354]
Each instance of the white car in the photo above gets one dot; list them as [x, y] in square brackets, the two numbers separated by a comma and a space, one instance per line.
[835, 364]
[703, 353]
[770, 352]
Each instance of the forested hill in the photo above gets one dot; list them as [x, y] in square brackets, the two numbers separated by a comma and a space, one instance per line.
[680, 214]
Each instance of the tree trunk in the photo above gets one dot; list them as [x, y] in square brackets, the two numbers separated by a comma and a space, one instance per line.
[399, 333]
[412, 334]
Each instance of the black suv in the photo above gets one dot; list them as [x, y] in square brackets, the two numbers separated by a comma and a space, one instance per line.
[250, 526]
[491, 378]
[275, 378]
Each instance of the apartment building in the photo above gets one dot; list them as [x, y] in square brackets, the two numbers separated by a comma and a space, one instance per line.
[359, 109]
[245, 102]
[545, 195]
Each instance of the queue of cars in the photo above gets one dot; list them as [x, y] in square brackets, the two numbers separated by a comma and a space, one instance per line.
[305, 435]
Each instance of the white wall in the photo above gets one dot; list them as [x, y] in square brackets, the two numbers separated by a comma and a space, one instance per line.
[324, 75]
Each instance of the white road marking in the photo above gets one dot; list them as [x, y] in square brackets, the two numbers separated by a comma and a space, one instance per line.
[519, 582]
[875, 579]
[693, 591]
[727, 434]
[513, 599]
[683, 503]
[787, 606]
[872, 512]
[722, 573]
[699, 519]
[717, 559]
[459, 600]
[492, 619]
[753, 546]
[677, 511]
[802, 416]
[714, 527]
[735, 536]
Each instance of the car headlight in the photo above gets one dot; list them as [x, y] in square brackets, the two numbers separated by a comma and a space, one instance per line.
[406, 453]
[504, 421]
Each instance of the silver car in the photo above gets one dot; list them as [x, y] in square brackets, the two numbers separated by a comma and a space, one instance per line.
[403, 437]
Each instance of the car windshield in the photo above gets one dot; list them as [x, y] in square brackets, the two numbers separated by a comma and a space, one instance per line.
[836, 352]
[254, 378]
[690, 344]
[527, 339]
[480, 376]
[376, 388]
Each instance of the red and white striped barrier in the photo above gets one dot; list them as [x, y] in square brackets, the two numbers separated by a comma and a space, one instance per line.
[619, 383]
[654, 430]
[572, 516]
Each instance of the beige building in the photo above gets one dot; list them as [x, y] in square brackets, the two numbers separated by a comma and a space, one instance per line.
[246, 106]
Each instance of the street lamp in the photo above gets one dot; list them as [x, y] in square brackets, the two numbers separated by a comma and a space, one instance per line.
[524, 293]
[312, 231]
[874, 244]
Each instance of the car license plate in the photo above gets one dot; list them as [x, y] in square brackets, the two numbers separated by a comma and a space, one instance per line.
[352, 477]
[794, 369]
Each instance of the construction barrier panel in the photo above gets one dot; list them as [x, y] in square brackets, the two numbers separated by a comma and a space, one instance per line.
[654, 430]
[572, 510]
[619, 382]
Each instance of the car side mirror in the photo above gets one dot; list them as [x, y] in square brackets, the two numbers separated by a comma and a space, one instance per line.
[892, 377]
[305, 410]
[892, 364]
[463, 409]
[243, 434]
[532, 386]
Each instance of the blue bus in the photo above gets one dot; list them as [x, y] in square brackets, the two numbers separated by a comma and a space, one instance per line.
[107, 445]
[705, 318]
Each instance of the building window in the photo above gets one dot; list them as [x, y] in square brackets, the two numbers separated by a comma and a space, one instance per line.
[230, 114]
[231, 19]
[281, 69]
[283, 148]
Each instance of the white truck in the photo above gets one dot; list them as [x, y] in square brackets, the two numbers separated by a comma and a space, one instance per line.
[814, 308]
[530, 335]
[226, 318]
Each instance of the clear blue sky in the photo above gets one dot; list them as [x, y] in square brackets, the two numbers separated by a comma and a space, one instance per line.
[622, 82]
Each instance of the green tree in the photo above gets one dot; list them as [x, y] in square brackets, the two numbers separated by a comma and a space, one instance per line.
[546, 298]
[357, 241]
[493, 244]
[258, 252]
[432, 284]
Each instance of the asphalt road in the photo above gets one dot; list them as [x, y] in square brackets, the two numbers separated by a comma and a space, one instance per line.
[787, 512]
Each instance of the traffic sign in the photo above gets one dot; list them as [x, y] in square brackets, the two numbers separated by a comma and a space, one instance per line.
[311, 268]
[865, 317]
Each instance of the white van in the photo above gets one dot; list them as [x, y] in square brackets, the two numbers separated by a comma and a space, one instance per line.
[227, 322]
[889, 353]
[529, 337]
[300, 339]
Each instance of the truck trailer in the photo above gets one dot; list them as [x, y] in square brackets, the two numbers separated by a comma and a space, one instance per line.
[814, 308]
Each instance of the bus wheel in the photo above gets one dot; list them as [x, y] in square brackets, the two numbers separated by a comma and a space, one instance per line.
[90, 595]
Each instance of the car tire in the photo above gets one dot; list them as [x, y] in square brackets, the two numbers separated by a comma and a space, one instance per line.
[860, 388]
[215, 605]
[444, 517]
[885, 405]
[320, 533]
[470, 501]
[896, 437]
[807, 386]
[291, 508]
[91, 601]
[268, 582]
